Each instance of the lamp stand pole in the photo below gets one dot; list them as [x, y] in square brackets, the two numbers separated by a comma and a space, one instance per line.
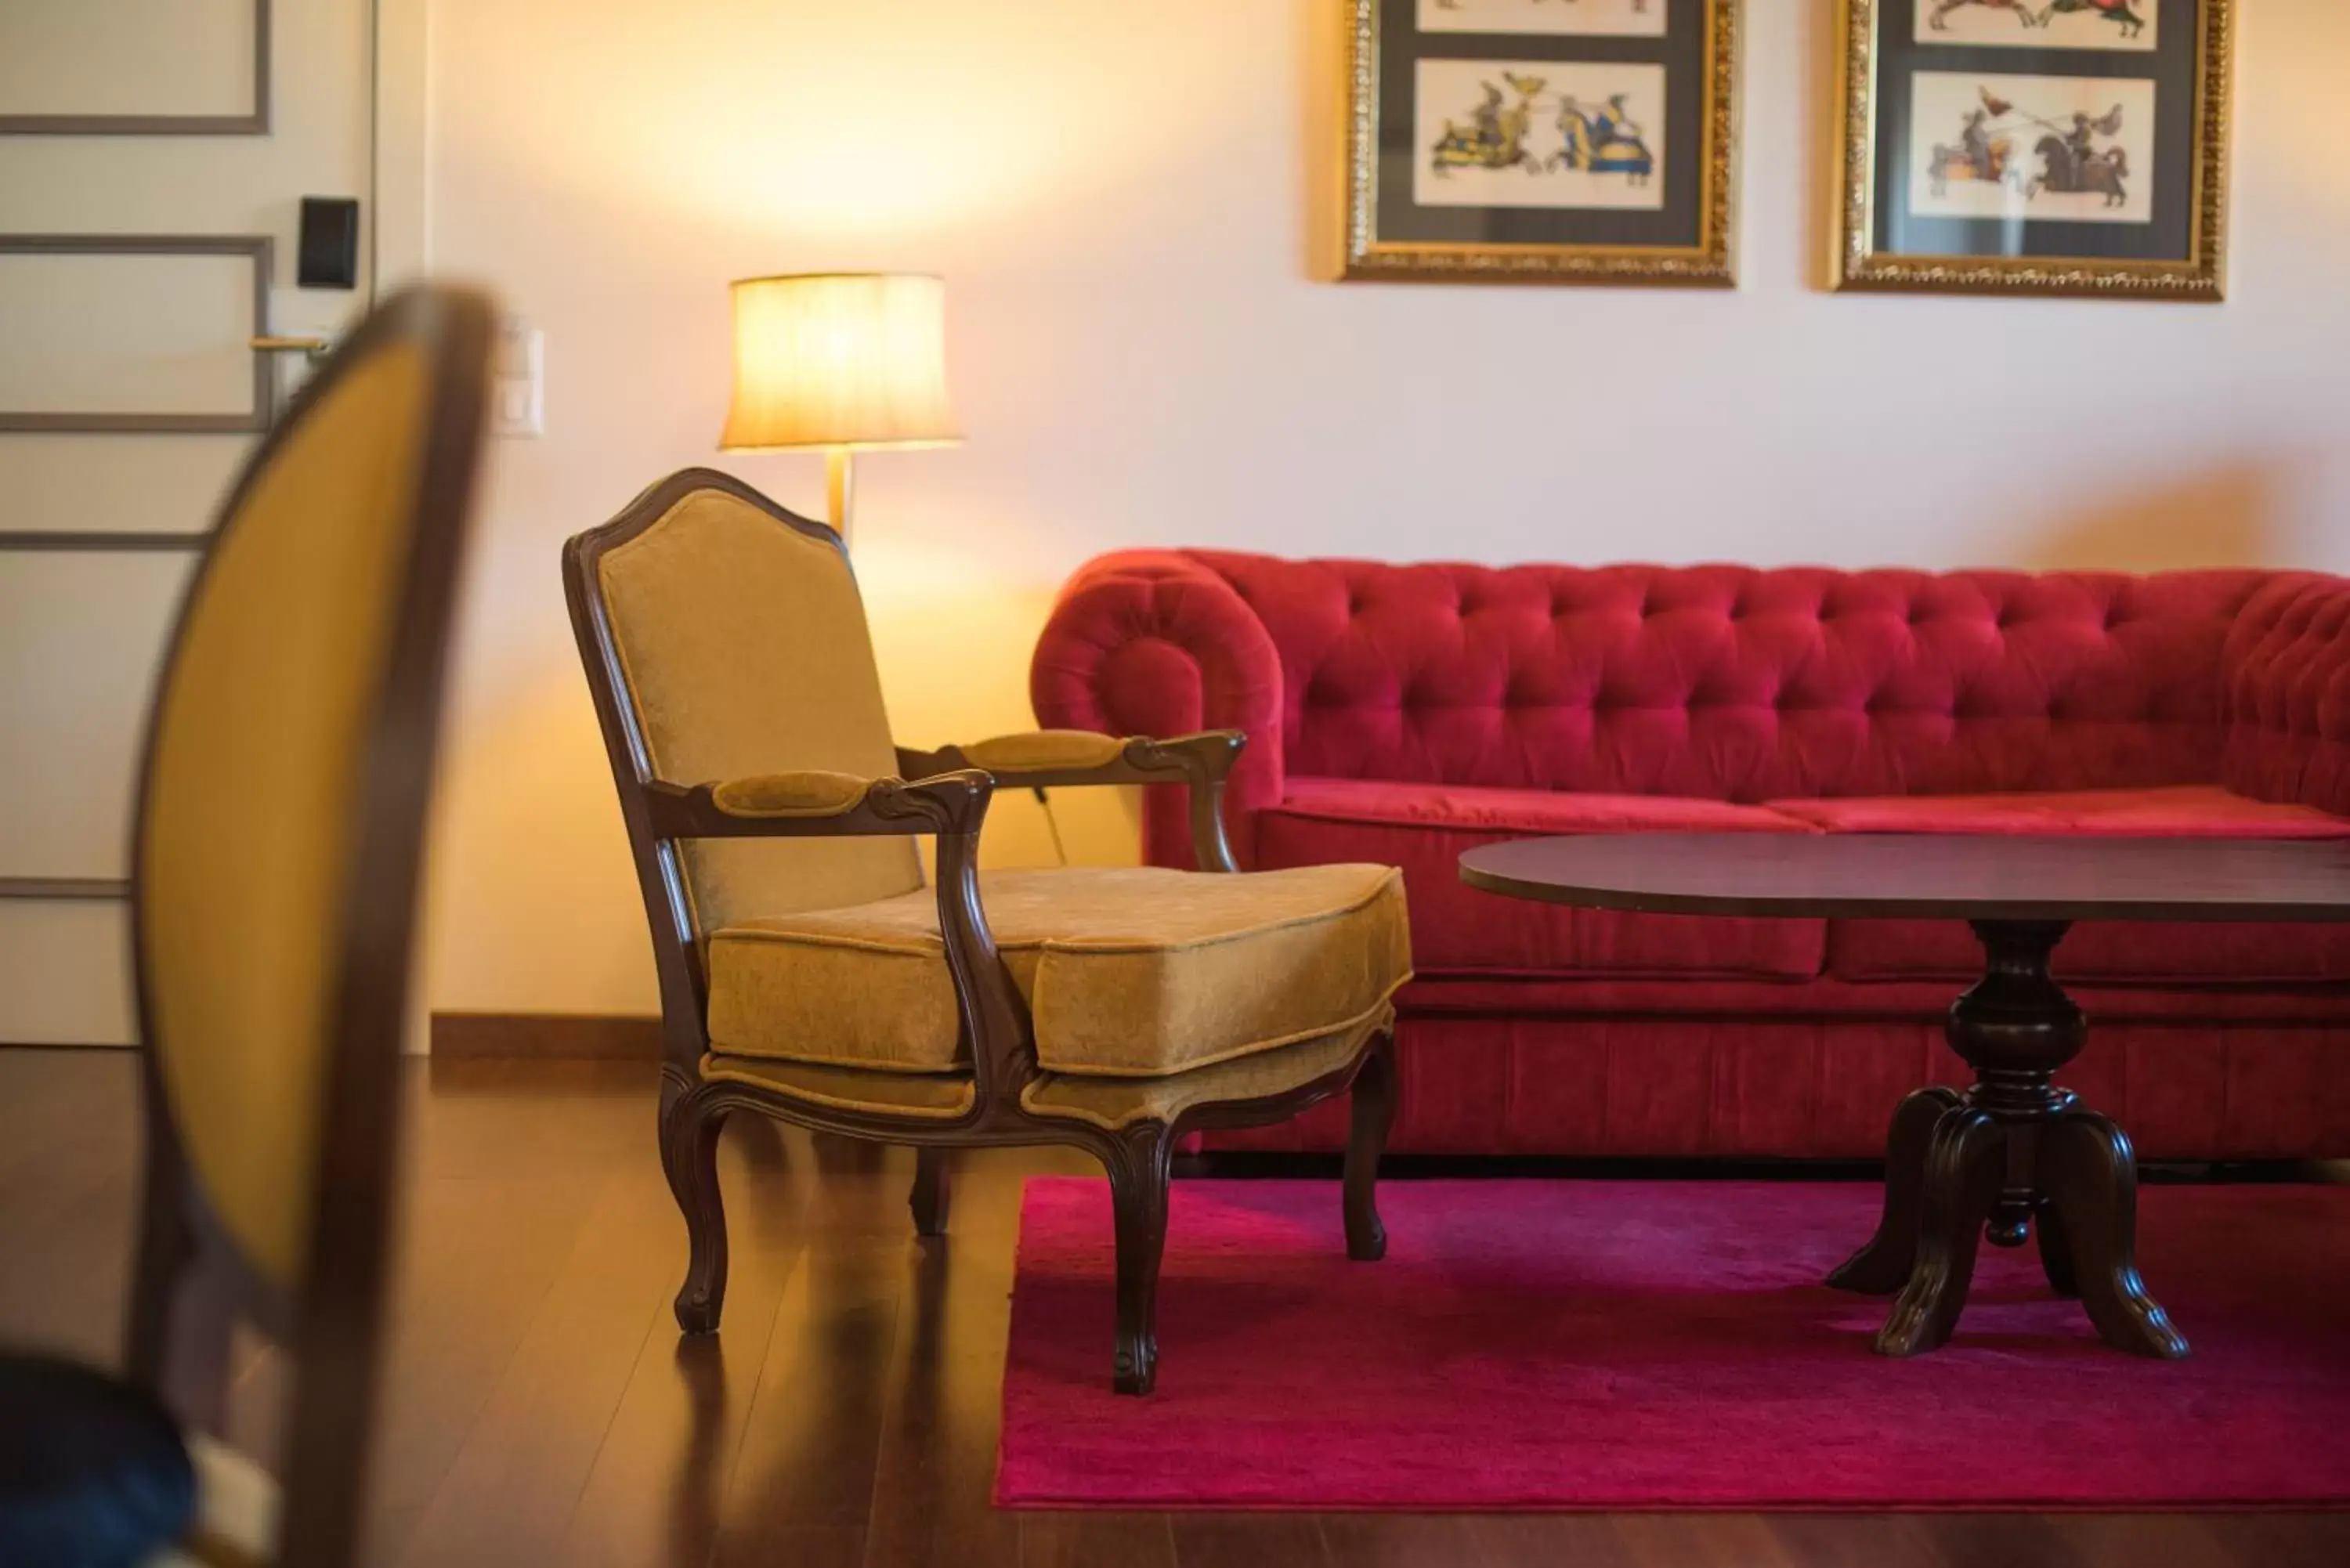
[840, 490]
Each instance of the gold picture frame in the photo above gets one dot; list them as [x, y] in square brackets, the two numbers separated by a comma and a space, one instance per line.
[1701, 252]
[2192, 205]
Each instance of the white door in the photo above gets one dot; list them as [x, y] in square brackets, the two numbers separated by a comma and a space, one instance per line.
[154, 155]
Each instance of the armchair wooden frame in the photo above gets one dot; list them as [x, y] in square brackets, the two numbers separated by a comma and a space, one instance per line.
[947, 800]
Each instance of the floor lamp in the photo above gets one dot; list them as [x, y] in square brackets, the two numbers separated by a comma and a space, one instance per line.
[841, 361]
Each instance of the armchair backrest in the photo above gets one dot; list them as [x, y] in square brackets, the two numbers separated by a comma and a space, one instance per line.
[280, 822]
[734, 643]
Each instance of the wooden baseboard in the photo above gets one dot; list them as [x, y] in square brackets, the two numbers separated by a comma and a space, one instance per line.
[546, 1036]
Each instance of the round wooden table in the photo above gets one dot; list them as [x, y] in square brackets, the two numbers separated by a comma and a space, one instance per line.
[2013, 1156]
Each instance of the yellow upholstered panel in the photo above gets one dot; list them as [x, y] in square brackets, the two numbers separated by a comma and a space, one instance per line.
[1115, 1103]
[1127, 972]
[791, 794]
[251, 790]
[745, 651]
[934, 1096]
[1038, 749]
[1104, 1102]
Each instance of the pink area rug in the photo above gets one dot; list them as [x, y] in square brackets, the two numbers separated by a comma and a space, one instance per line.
[1563, 1344]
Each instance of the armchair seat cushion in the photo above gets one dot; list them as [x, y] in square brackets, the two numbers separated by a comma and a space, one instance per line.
[1137, 972]
[927, 1096]
[1112, 1104]
[1116, 1103]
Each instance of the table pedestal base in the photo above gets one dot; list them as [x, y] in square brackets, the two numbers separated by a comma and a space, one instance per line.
[2009, 1156]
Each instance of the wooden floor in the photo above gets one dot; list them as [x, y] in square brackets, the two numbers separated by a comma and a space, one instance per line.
[542, 1410]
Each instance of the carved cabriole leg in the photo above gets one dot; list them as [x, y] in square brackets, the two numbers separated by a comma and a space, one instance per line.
[690, 1123]
[1964, 1176]
[1881, 1267]
[2090, 1176]
[928, 1198]
[1374, 1107]
[1137, 1159]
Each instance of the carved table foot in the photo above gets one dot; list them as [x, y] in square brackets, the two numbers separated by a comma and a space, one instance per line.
[1883, 1266]
[2011, 1155]
[2090, 1176]
[1962, 1183]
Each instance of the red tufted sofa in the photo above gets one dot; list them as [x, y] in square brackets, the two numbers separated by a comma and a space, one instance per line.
[1404, 713]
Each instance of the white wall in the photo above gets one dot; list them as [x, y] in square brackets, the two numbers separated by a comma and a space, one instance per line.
[1119, 195]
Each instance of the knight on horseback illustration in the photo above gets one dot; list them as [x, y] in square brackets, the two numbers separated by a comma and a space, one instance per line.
[1603, 141]
[1596, 139]
[1640, 8]
[1495, 136]
[2021, 12]
[2071, 162]
[2123, 14]
[1978, 154]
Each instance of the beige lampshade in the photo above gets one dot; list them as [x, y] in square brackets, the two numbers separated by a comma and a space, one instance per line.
[841, 359]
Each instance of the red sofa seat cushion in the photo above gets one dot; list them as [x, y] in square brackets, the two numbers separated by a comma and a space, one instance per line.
[2155, 952]
[1458, 931]
[2178, 811]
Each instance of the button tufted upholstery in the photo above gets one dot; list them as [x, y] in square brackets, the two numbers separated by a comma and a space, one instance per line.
[2287, 673]
[1403, 713]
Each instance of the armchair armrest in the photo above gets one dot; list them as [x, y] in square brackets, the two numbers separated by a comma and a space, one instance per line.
[1039, 751]
[810, 793]
[820, 805]
[1043, 759]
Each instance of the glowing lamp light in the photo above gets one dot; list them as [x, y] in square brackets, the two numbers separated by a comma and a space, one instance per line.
[839, 361]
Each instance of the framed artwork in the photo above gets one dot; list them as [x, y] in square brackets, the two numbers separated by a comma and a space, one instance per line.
[1541, 140]
[2075, 147]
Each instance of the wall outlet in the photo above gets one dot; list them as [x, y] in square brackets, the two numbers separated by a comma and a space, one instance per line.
[518, 379]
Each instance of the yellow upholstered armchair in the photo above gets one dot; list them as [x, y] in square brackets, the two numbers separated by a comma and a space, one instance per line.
[809, 972]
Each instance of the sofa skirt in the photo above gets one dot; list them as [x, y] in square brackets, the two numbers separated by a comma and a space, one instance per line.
[1798, 1087]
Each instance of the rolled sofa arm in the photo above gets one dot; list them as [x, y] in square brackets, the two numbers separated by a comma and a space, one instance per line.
[1152, 642]
[2285, 669]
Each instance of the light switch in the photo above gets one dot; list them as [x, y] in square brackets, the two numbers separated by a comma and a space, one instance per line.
[518, 379]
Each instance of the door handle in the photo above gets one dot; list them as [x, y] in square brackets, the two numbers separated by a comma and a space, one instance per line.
[316, 348]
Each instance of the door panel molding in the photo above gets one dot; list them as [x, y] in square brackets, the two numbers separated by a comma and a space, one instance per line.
[254, 122]
[86, 636]
[64, 889]
[258, 249]
[98, 540]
